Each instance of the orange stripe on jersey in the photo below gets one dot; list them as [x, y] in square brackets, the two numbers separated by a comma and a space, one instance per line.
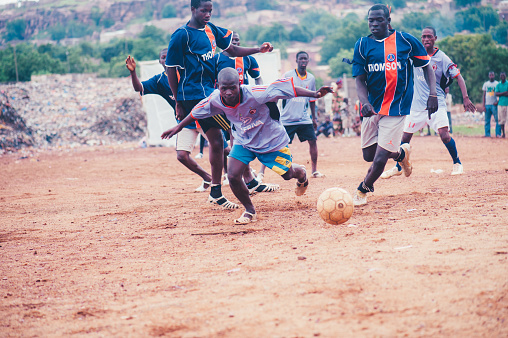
[228, 33]
[177, 76]
[423, 57]
[390, 73]
[211, 37]
[240, 68]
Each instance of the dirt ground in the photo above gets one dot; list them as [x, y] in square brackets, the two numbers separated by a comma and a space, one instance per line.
[112, 241]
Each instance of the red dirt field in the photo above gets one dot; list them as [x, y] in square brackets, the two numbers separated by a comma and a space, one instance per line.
[112, 241]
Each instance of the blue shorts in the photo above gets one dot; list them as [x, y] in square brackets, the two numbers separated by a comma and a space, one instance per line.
[305, 132]
[279, 161]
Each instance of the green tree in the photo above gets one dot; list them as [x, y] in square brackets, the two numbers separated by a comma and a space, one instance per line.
[500, 33]
[253, 32]
[338, 67]
[276, 33]
[477, 19]
[343, 38]
[96, 15]
[414, 22]
[153, 33]
[260, 5]
[300, 34]
[320, 22]
[464, 3]
[57, 32]
[475, 55]
[168, 11]
[15, 30]
[396, 4]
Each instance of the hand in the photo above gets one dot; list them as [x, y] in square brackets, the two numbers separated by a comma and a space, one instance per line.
[130, 63]
[323, 91]
[495, 103]
[314, 123]
[367, 110]
[468, 105]
[266, 47]
[432, 105]
[169, 133]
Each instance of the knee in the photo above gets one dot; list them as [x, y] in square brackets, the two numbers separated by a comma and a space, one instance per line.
[379, 162]
[445, 137]
[288, 175]
[367, 157]
[234, 178]
[182, 156]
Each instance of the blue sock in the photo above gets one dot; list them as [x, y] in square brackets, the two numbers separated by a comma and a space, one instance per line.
[398, 166]
[452, 149]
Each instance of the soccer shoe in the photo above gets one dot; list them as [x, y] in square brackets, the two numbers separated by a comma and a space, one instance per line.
[225, 180]
[223, 202]
[200, 155]
[264, 187]
[202, 187]
[260, 177]
[359, 198]
[391, 172]
[245, 219]
[406, 165]
[457, 169]
[317, 174]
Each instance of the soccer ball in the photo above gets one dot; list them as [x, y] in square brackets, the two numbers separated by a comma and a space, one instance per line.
[335, 206]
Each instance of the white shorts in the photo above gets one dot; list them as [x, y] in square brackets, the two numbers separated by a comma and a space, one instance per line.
[186, 139]
[420, 118]
[384, 130]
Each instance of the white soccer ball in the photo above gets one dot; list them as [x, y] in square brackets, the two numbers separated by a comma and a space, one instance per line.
[335, 206]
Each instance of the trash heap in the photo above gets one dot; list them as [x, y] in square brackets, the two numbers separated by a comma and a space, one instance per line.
[69, 110]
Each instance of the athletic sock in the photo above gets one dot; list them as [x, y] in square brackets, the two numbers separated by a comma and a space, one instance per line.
[252, 184]
[364, 188]
[402, 155]
[215, 190]
[452, 149]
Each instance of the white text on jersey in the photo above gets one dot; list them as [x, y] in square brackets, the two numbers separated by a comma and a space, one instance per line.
[380, 67]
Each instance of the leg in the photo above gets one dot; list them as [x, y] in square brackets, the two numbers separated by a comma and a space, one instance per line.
[488, 114]
[313, 154]
[184, 144]
[216, 153]
[186, 160]
[496, 118]
[378, 165]
[235, 173]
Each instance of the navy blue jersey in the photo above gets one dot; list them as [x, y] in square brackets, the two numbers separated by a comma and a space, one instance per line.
[159, 85]
[192, 51]
[244, 66]
[388, 64]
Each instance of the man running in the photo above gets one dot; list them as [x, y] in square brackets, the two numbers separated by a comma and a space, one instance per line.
[191, 51]
[382, 67]
[444, 70]
[256, 129]
[185, 141]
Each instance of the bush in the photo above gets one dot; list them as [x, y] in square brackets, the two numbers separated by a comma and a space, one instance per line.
[168, 11]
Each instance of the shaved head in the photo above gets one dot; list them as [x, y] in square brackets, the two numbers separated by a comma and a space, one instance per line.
[228, 75]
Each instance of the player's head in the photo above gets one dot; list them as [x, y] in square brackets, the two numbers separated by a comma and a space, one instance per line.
[229, 86]
[502, 76]
[302, 59]
[201, 11]
[429, 37]
[379, 20]
[339, 83]
[492, 76]
[235, 39]
[162, 56]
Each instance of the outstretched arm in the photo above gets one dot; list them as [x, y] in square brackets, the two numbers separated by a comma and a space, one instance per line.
[468, 105]
[237, 51]
[130, 63]
[363, 95]
[315, 94]
[176, 129]
[430, 78]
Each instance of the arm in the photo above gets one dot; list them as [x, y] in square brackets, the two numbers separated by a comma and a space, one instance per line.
[468, 105]
[483, 99]
[173, 84]
[245, 51]
[363, 95]
[312, 106]
[259, 81]
[176, 129]
[430, 78]
[130, 63]
[310, 93]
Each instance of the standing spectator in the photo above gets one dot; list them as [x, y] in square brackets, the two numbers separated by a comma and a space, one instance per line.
[502, 106]
[490, 104]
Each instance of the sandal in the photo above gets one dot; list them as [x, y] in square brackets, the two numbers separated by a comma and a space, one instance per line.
[317, 174]
[223, 202]
[244, 219]
[264, 187]
[202, 187]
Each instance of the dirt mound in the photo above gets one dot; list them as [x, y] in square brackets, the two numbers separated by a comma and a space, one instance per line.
[13, 130]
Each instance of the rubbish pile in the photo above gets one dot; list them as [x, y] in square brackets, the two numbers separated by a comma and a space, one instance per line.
[69, 110]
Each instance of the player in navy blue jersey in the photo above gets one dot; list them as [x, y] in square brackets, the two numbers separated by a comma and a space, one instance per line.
[185, 141]
[383, 67]
[246, 66]
[191, 51]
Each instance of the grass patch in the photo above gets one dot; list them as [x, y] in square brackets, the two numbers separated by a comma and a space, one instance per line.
[470, 130]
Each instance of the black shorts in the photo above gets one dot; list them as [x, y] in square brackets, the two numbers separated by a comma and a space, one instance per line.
[218, 121]
[305, 132]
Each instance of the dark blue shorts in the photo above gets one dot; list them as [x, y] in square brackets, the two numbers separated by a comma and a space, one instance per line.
[305, 132]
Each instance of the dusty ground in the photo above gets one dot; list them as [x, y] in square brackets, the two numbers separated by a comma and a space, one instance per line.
[113, 242]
